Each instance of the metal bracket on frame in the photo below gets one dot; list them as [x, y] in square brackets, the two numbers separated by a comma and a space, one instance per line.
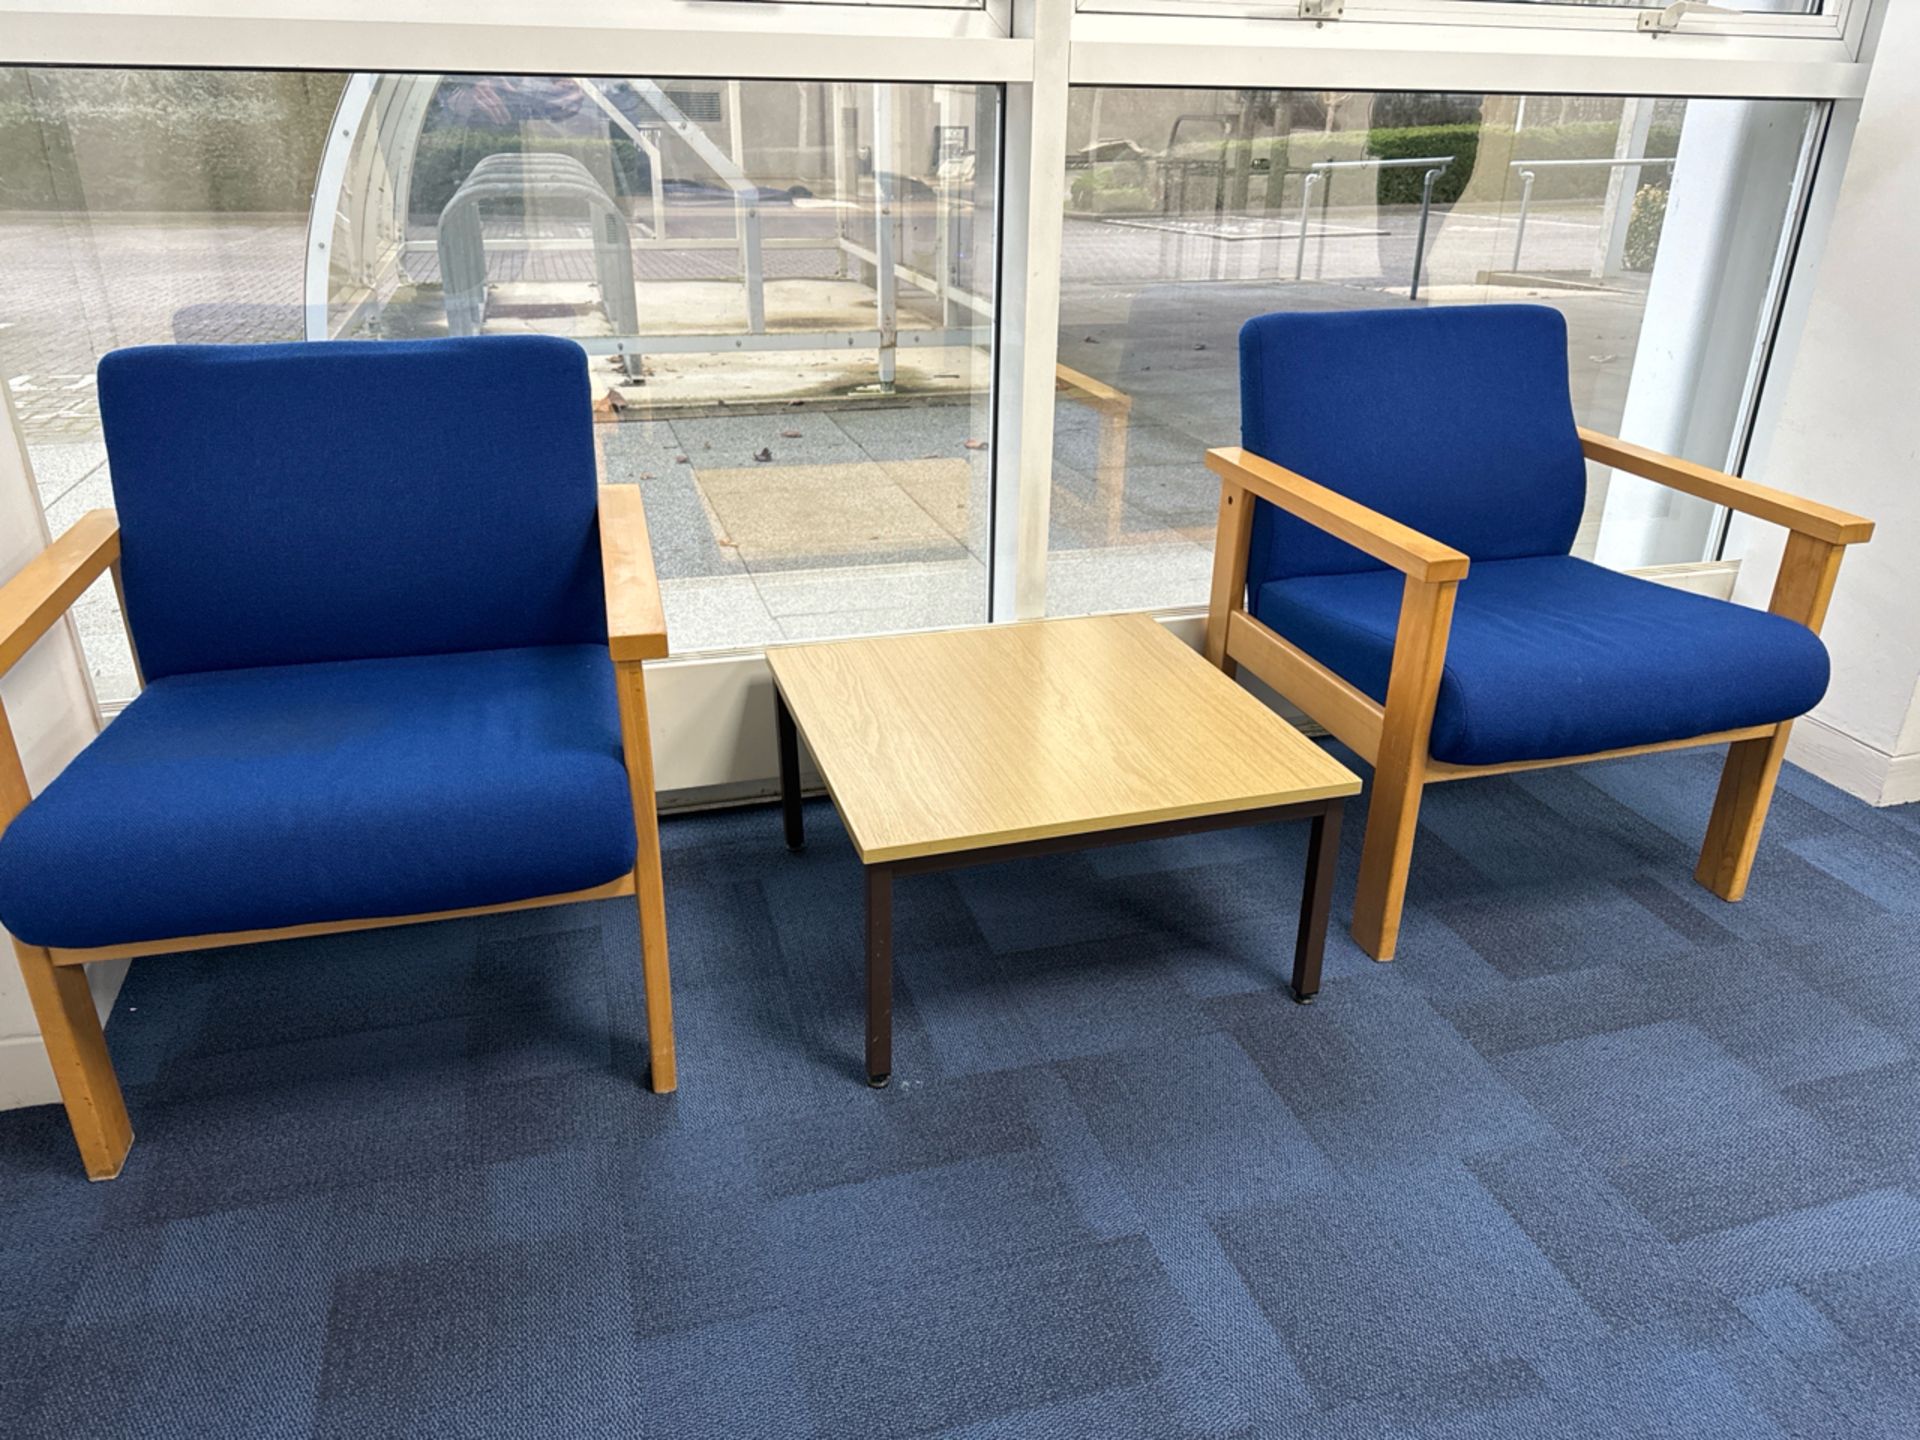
[1665, 22]
[1322, 9]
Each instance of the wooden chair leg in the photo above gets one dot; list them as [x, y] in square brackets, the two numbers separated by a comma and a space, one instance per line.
[648, 882]
[1400, 763]
[1393, 815]
[1740, 813]
[650, 887]
[77, 1046]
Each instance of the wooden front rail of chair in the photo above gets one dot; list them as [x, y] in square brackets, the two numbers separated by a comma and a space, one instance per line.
[34, 599]
[1393, 737]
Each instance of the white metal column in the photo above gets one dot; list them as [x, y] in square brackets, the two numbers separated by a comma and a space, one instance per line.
[1719, 270]
[1032, 188]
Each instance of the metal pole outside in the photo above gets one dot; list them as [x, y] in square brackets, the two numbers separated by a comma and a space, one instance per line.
[1420, 241]
[1307, 182]
[1520, 231]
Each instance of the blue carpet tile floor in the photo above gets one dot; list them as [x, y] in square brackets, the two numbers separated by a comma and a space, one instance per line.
[1599, 1155]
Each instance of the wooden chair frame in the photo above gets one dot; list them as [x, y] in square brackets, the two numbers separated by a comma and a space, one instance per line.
[1393, 737]
[56, 981]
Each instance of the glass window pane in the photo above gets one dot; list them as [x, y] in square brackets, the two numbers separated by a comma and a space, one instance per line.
[1360, 9]
[1654, 226]
[1773, 7]
[785, 289]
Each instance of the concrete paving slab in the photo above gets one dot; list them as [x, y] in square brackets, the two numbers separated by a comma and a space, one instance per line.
[686, 537]
[628, 448]
[846, 624]
[1148, 442]
[945, 490]
[792, 437]
[952, 592]
[93, 492]
[103, 639]
[1092, 582]
[1088, 516]
[806, 516]
[1183, 496]
[103, 634]
[60, 465]
[917, 432]
[717, 612]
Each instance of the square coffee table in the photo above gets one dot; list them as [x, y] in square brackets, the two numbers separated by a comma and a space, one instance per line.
[964, 747]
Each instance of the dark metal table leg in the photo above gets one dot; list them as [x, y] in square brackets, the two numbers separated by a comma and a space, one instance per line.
[879, 974]
[789, 772]
[1323, 860]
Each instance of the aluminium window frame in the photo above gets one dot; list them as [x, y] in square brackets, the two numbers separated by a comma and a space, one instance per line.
[1843, 20]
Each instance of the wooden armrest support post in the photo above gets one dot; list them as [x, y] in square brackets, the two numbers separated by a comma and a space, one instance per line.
[636, 623]
[1433, 573]
[1803, 517]
[50, 582]
[29, 604]
[637, 631]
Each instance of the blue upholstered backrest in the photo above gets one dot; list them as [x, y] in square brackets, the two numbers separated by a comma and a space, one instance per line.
[1457, 421]
[284, 504]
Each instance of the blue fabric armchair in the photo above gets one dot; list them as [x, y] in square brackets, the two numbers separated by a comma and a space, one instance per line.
[1393, 557]
[390, 631]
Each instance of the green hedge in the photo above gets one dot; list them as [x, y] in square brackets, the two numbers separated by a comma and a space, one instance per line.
[1579, 140]
[1402, 186]
[1649, 218]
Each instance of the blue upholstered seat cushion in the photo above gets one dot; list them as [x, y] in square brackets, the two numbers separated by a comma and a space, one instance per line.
[1553, 656]
[252, 799]
[1456, 420]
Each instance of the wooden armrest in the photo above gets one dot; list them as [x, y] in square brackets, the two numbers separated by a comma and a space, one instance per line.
[1808, 517]
[636, 625]
[1386, 539]
[50, 582]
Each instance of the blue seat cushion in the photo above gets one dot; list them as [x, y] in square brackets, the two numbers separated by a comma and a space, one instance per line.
[1553, 656]
[289, 795]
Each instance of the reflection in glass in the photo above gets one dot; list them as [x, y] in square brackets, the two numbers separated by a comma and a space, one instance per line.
[785, 290]
[1655, 226]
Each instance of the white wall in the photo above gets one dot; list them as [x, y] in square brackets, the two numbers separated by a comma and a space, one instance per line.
[51, 710]
[1846, 429]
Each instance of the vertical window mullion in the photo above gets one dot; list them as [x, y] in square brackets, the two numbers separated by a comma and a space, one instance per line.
[1035, 118]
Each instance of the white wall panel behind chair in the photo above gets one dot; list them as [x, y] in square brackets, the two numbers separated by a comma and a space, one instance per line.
[1845, 430]
[52, 712]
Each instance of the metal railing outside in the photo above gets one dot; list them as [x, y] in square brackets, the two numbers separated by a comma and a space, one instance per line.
[1318, 173]
[1527, 169]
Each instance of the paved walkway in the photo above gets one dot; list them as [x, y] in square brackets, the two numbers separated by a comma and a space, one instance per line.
[866, 517]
